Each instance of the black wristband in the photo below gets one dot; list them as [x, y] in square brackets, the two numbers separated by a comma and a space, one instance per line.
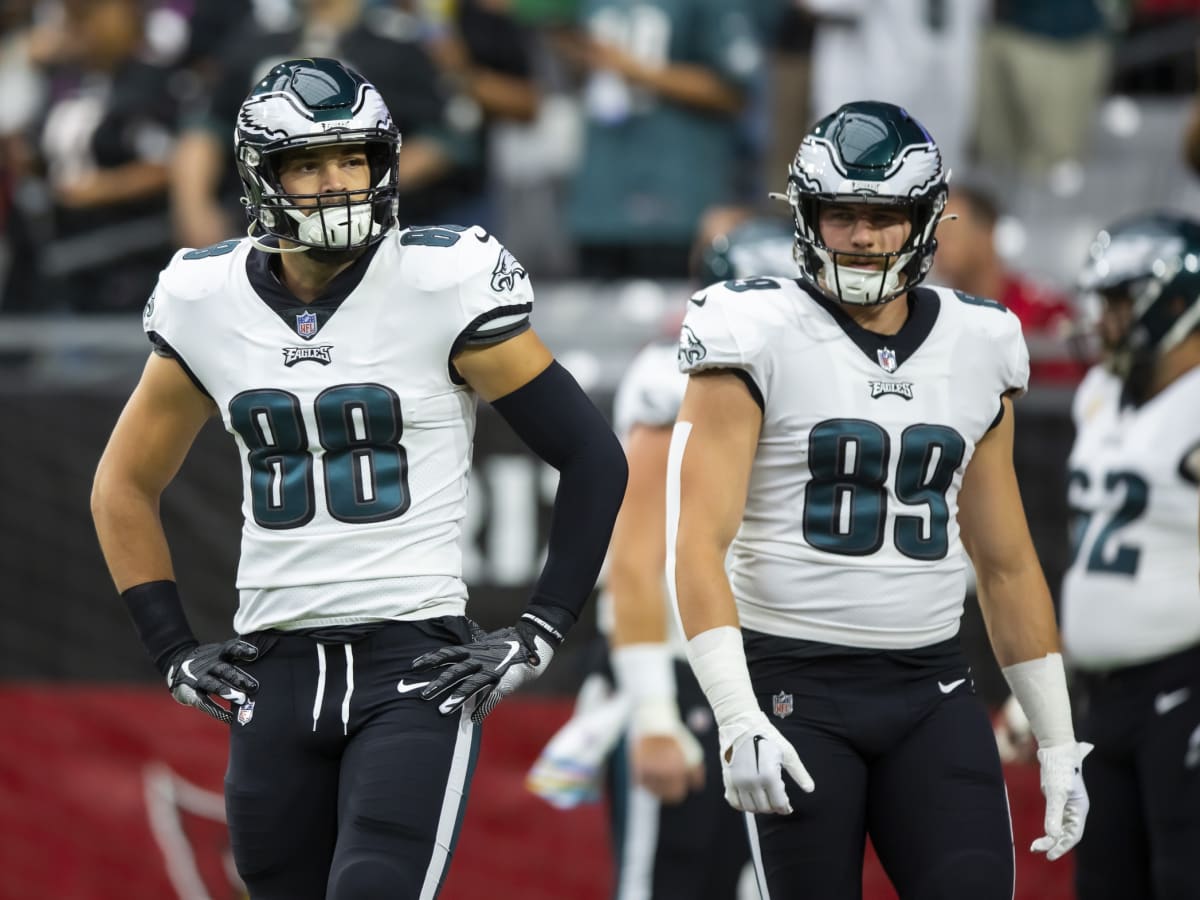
[158, 616]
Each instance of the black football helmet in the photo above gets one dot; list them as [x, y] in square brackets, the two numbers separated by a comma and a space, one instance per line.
[1152, 263]
[312, 103]
[867, 152]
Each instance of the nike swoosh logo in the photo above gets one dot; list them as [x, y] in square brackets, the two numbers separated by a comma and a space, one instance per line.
[1166, 702]
[513, 647]
[947, 688]
[758, 739]
[450, 704]
[484, 238]
[405, 687]
[701, 300]
[186, 668]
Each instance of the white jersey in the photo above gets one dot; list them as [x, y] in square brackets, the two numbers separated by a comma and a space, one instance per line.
[649, 395]
[850, 533]
[1131, 593]
[353, 427]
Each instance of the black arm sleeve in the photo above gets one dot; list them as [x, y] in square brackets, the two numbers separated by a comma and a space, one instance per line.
[557, 421]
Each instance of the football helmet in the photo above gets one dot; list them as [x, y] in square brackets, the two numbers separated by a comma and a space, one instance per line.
[757, 247]
[1152, 262]
[312, 103]
[867, 152]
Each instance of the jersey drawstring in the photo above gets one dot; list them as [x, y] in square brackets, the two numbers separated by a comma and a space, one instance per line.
[320, 697]
[320, 684]
[349, 688]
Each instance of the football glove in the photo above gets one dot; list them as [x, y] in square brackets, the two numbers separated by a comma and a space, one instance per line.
[754, 756]
[202, 669]
[485, 671]
[1066, 798]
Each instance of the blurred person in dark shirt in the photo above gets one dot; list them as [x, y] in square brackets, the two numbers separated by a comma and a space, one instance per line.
[664, 86]
[427, 71]
[101, 148]
[967, 260]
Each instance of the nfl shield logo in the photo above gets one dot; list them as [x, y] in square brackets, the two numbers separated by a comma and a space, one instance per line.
[887, 359]
[782, 704]
[245, 712]
[306, 324]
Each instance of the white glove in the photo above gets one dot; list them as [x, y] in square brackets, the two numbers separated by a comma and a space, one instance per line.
[1066, 798]
[754, 756]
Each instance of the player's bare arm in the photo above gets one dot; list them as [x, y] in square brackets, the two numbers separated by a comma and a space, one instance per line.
[502, 368]
[665, 758]
[712, 453]
[1012, 590]
[723, 423]
[1019, 614]
[148, 445]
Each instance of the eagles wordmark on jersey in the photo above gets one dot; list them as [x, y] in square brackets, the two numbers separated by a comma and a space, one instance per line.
[849, 534]
[353, 427]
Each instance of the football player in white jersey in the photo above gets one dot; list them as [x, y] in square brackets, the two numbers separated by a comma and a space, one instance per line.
[846, 435]
[1131, 597]
[345, 357]
[679, 837]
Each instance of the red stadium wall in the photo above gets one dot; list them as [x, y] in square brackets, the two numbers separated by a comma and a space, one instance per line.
[114, 794]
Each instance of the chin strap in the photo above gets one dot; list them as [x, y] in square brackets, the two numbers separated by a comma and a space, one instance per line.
[267, 248]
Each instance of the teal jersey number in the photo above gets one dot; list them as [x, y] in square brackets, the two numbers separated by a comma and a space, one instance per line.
[741, 285]
[845, 505]
[219, 249]
[365, 467]
[1135, 499]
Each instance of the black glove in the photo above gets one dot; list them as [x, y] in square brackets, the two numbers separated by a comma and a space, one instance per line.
[488, 669]
[202, 669]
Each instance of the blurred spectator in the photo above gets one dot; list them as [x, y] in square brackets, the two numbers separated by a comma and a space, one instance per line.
[1191, 141]
[788, 97]
[967, 260]
[23, 88]
[918, 54]
[100, 147]
[441, 73]
[665, 83]
[1043, 68]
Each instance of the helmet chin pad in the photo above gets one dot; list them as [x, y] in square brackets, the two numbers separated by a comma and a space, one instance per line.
[341, 227]
[862, 287]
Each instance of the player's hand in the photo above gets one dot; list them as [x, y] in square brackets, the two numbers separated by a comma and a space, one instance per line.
[754, 756]
[1066, 798]
[488, 669]
[197, 671]
[1014, 735]
[668, 765]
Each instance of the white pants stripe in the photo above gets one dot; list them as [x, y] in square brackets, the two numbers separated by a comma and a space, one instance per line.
[451, 805]
[640, 845]
[760, 873]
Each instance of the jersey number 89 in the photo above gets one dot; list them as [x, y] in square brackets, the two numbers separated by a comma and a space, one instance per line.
[845, 505]
[365, 468]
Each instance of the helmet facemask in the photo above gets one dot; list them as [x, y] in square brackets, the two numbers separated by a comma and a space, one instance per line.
[833, 271]
[333, 221]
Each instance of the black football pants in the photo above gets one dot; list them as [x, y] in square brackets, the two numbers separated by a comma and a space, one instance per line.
[1143, 779]
[900, 748]
[340, 785]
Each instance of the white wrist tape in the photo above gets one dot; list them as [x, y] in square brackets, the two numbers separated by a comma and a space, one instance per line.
[645, 674]
[719, 661]
[1040, 686]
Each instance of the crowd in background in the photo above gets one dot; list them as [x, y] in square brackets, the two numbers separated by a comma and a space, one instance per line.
[601, 138]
